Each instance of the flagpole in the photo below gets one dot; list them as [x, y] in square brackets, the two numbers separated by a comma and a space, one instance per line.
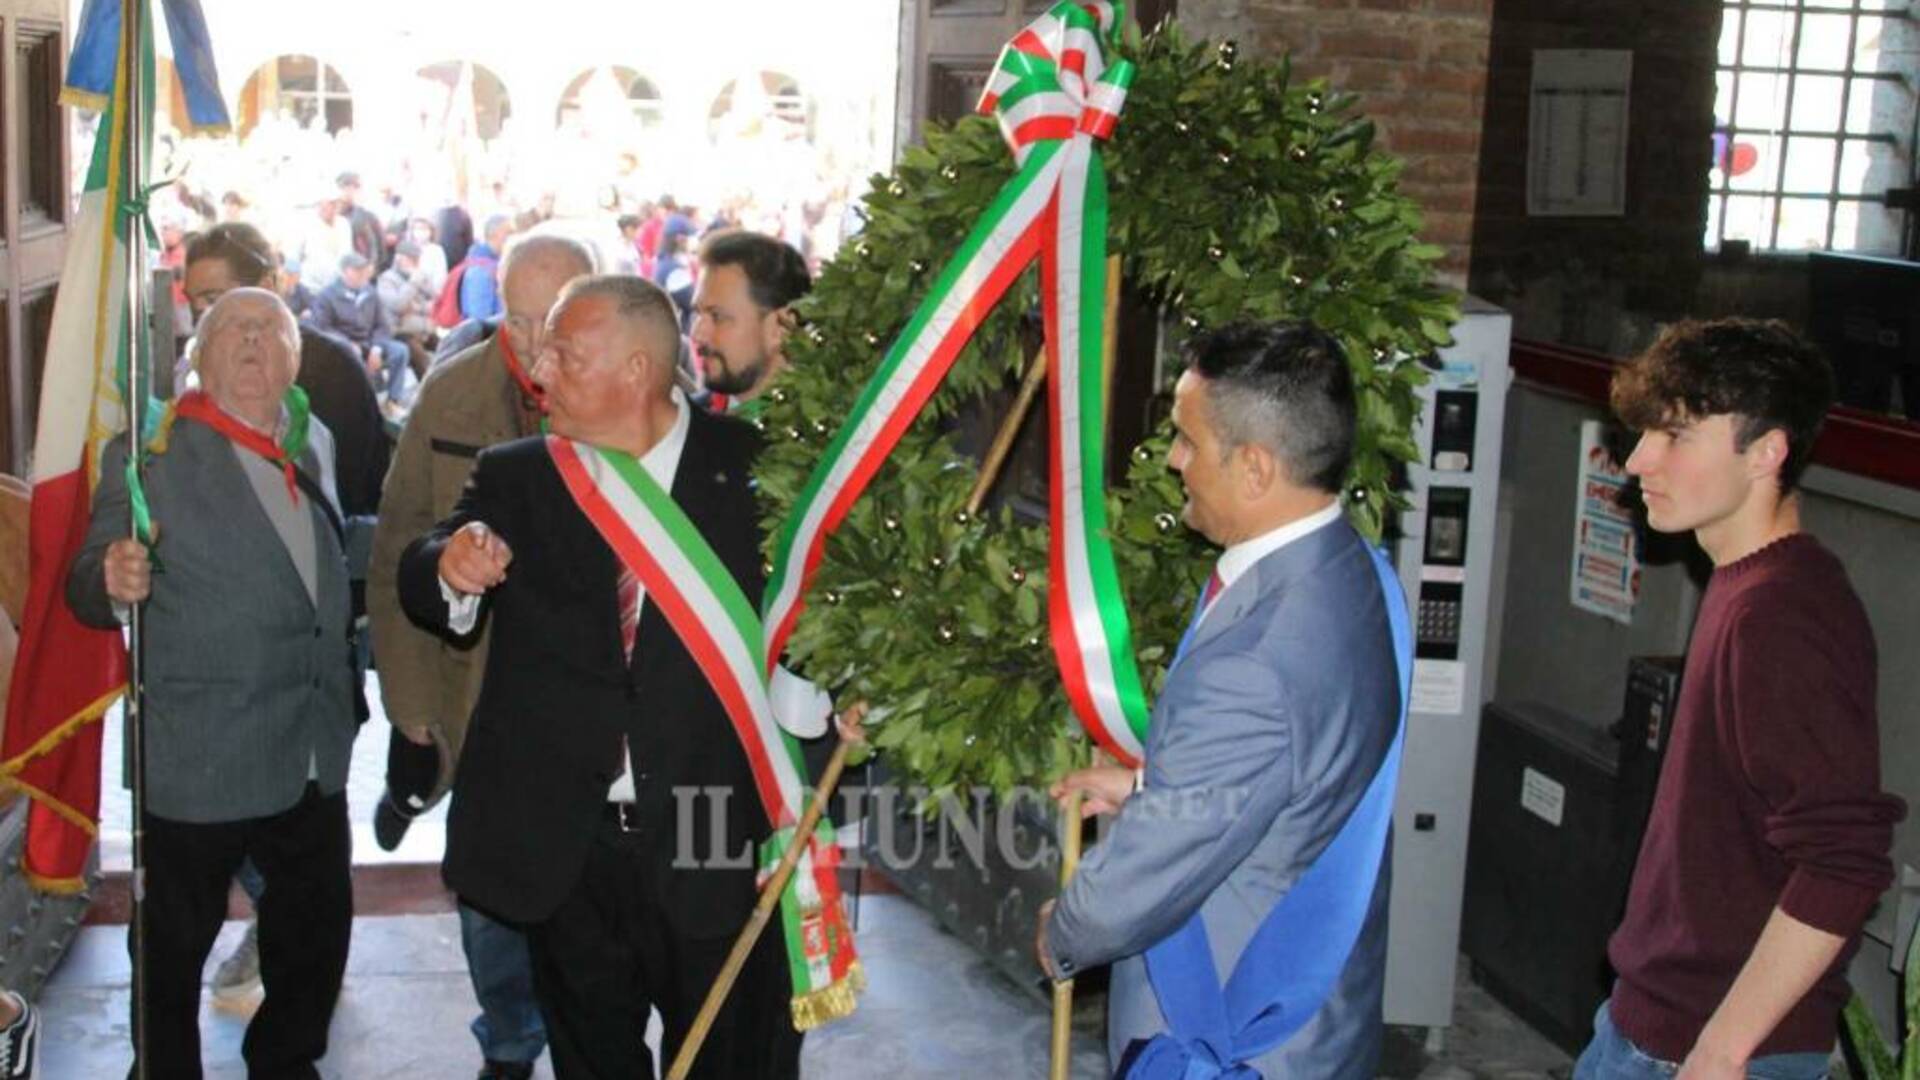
[132, 15]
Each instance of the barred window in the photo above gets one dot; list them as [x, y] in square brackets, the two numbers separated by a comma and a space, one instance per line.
[1814, 123]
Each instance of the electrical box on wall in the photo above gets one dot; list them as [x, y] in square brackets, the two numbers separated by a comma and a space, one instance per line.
[1445, 559]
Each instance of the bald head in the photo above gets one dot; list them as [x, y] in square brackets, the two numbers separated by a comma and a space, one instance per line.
[531, 274]
[247, 353]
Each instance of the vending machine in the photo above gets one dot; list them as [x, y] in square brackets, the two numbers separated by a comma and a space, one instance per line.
[1445, 558]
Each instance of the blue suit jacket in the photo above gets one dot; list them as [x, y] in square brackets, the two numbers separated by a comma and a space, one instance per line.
[1265, 737]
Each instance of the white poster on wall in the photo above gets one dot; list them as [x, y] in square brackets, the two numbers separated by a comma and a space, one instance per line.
[1606, 557]
[1577, 132]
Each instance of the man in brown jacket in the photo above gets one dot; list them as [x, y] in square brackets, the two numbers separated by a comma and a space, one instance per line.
[473, 400]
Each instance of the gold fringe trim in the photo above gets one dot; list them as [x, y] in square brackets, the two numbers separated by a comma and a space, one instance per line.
[66, 886]
[76, 818]
[64, 731]
[83, 99]
[830, 1003]
[10, 771]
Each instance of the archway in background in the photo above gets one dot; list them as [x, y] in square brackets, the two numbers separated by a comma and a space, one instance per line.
[467, 89]
[301, 88]
[598, 88]
[767, 105]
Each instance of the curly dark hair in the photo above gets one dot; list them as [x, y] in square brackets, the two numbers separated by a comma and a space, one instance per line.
[1757, 370]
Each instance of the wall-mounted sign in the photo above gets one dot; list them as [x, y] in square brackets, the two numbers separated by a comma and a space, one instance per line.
[1606, 557]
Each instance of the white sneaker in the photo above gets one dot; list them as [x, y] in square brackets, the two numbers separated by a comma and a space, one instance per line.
[238, 976]
[20, 1042]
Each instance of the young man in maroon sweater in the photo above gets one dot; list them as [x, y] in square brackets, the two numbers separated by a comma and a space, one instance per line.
[1767, 846]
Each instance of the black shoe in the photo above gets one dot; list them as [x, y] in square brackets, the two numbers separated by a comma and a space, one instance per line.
[390, 825]
[20, 1043]
[506, 1070]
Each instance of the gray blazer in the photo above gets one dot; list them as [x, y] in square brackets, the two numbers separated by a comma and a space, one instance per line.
[1266, 735]
[248, 685]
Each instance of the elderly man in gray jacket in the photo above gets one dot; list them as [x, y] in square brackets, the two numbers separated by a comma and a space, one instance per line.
[249, 711]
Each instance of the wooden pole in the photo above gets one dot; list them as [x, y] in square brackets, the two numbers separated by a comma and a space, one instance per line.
[1062, 1055]
[1030, 384]
[132, 126]
[762, 914]
[1002, 446]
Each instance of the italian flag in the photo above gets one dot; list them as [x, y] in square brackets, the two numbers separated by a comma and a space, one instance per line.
[67, 675]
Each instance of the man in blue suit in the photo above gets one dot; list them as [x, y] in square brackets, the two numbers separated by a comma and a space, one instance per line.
[1278, 713]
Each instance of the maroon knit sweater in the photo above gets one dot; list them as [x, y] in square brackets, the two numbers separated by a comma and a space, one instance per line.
[1770, 796]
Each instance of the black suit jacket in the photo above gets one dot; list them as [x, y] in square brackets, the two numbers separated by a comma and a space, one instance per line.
[544, 742]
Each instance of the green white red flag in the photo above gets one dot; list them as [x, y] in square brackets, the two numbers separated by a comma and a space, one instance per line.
[67, 675]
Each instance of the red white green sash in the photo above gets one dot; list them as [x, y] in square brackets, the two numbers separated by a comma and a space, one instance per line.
[689, 584]
[1055, 95]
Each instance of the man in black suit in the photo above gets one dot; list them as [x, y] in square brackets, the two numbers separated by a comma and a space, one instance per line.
[603, 799]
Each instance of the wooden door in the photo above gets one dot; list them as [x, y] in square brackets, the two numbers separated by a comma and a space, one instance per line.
[948, 48]
[34, 209]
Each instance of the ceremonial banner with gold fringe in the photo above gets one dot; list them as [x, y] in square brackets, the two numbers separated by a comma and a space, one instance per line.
[67, 675]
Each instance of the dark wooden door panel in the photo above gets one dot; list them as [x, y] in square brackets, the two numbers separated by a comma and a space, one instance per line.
[34, 208]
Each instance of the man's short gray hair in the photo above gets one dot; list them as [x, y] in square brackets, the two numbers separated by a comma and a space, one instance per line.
[636, 300]
[536, 246]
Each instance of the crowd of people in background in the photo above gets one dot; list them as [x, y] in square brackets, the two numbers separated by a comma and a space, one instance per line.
[391, 279]
[390, 262]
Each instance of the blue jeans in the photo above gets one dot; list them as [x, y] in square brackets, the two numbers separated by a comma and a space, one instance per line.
[1610, 1056]
[509, 1026]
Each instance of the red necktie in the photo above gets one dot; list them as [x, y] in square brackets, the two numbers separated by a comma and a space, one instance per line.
[629, 596]
[1214, 585]
[627, 592]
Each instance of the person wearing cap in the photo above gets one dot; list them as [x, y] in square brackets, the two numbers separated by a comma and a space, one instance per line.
[361, 222]
[407, 294]
[350, 308]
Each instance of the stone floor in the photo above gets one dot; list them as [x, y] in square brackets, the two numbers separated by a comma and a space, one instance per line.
[406, 1005]
[407, 1002]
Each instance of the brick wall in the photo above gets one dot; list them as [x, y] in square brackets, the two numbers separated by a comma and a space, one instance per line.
[1600, 282]
[1420, 67]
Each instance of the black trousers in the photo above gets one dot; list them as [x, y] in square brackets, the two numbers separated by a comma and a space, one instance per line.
[608, 955]
[306, 916]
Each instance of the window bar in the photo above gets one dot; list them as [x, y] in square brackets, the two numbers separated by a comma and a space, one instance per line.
[1786, 115]
[1840, 144]
[1733, 111]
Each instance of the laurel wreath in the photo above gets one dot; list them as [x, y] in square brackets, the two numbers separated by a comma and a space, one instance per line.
[1235, 194]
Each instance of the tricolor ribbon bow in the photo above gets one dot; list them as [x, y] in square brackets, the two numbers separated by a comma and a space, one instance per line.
[1056, 94]
[1039, 91]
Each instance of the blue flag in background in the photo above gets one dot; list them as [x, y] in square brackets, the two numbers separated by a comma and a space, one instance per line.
[96, 50]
